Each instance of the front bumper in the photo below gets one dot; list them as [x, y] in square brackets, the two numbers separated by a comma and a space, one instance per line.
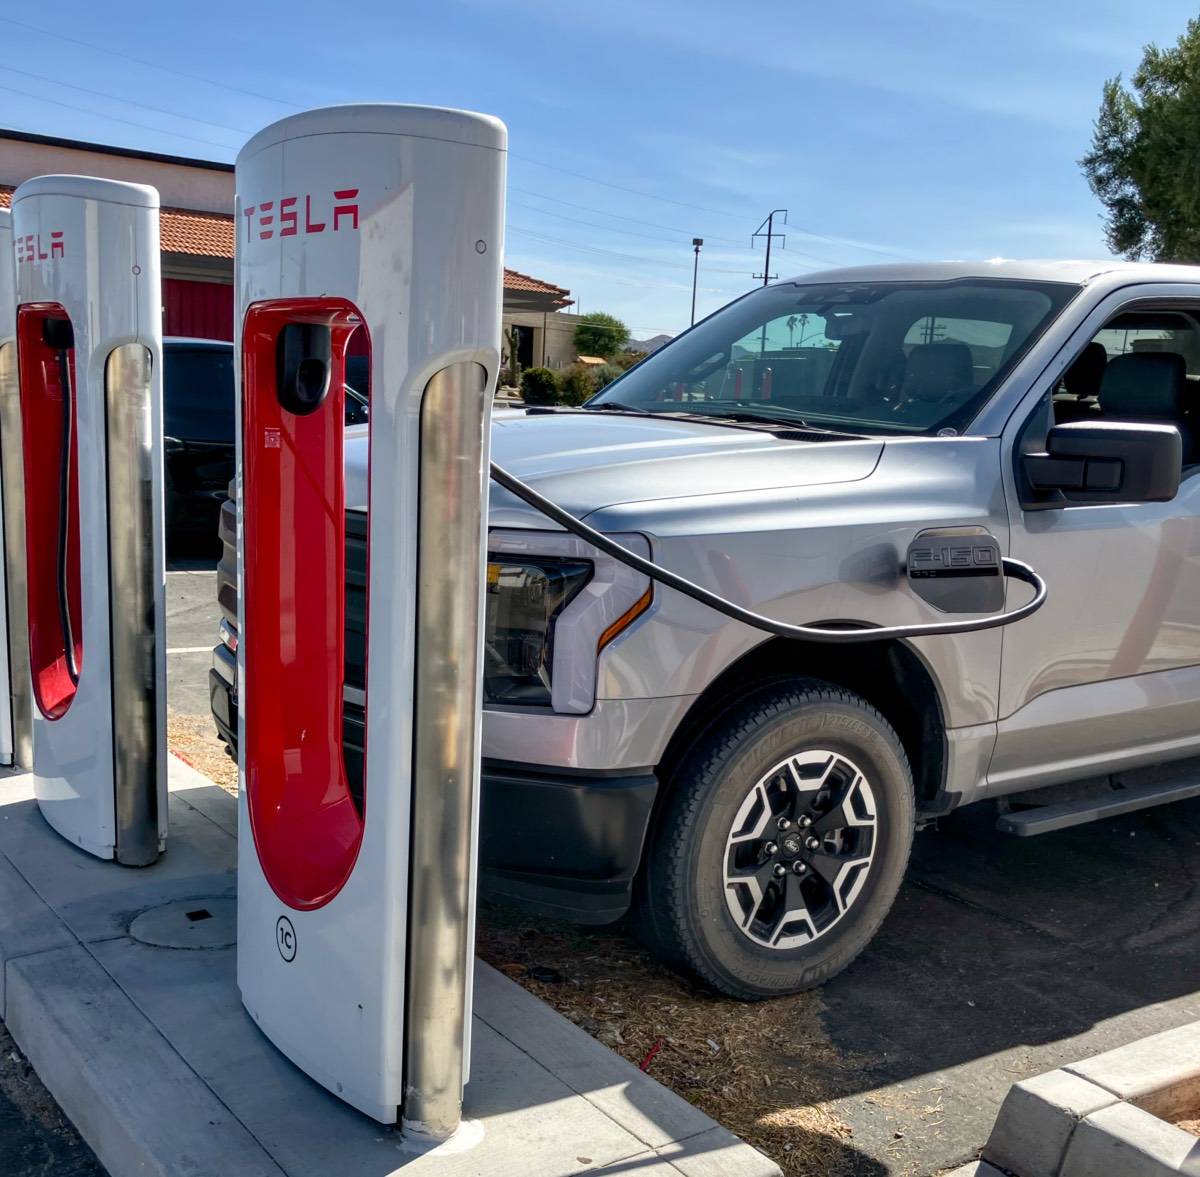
[560, 842]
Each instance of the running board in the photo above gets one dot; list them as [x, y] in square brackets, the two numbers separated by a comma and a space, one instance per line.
[1044, 819]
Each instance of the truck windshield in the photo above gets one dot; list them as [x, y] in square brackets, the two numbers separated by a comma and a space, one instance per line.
[889, 357]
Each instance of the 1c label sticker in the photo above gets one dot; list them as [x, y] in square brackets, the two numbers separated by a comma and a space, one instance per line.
[285, 938]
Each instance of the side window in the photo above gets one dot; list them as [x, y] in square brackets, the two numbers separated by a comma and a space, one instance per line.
[1140, 366]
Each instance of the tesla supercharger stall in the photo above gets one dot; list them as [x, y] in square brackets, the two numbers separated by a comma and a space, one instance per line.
[16, 736]
[89, 350]
[375, 228]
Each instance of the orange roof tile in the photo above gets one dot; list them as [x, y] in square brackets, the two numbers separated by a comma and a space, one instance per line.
[211, 235]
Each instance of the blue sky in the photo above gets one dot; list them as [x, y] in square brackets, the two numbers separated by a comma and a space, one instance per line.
[889, 129]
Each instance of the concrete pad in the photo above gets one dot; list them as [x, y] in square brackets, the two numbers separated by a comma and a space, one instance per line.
[656, 1115]
[133, 1099]
[1125, 1140]
[27, 925]
[975, 1169]
[149, 1051]
[1037, 1120]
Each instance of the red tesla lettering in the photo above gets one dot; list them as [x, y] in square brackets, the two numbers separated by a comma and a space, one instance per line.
[42, 254]
[345, 210]
[30, 254]
[248, 213]
[265, 220]
[57, 246]
[311, 226]
[287, 216]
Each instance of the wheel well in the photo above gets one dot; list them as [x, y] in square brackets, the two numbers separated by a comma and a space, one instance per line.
[889, 675]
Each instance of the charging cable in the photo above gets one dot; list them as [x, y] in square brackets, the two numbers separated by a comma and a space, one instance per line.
[64, 512]
[834, 631]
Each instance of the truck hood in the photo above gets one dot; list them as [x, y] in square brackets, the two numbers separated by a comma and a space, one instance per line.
[586, 461]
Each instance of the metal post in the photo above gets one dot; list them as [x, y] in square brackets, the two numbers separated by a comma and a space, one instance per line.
[696, 243]
[454, 423]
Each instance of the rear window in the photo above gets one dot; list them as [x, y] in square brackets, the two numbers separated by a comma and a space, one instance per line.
[198, 398]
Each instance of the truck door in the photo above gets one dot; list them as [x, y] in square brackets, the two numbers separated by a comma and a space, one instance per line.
[1107, 674]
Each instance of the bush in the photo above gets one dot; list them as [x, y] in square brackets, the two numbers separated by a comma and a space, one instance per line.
[539, 386]
[604, 374]
[578, 383]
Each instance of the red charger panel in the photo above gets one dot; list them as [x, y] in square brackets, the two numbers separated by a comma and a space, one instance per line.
[307, 829]
[43, 437]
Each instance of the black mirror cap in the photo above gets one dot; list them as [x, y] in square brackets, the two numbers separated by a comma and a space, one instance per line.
[1104, 462]
[303, 359]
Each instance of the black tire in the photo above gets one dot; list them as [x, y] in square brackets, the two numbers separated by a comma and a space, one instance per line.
[681, 905]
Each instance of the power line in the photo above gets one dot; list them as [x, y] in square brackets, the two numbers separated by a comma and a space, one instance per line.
[114, 118]
[614, 253]
[127, 101]
[110, 52]
[208, 81]
[617, 216]
[545, 212]
[619, 187]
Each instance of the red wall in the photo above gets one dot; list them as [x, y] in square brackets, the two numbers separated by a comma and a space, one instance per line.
[203, 310]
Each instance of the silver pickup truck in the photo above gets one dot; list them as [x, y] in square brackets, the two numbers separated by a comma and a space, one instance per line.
[751, 800]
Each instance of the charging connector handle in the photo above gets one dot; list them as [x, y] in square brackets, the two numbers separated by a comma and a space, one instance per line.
[851, 631]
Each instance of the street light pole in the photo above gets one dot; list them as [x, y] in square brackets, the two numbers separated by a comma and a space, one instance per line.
[696, 243]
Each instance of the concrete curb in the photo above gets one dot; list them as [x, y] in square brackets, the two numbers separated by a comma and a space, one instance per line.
[149, 1052]
[1107, 1115]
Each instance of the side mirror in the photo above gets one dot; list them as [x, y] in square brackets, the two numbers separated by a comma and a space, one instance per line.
[1103, 462]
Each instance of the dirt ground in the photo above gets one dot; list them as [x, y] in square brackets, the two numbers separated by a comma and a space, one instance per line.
[36, 1139]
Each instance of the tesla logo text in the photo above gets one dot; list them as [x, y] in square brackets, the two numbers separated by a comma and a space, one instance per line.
[32, 247]
[285, 938]
[293, 215]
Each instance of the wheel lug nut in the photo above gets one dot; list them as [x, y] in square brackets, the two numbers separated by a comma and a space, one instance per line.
[771, 848]
[798, 868]
[812, 843]
[805, 822]
[784, 823]
[780, 870]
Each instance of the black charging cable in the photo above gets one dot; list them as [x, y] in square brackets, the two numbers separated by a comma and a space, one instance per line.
[64, 511]
[833, 631]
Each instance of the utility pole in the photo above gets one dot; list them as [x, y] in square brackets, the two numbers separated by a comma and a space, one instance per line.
[767, 230]
[696, 243]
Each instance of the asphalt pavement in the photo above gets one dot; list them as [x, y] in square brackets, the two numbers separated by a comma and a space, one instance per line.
[192, 617]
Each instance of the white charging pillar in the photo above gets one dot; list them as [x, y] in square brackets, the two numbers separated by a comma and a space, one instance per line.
[16, 738]
[89, 347]
[376, 228]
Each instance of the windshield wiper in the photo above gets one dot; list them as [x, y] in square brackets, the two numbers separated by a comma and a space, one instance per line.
[780, 417]
[618, 407]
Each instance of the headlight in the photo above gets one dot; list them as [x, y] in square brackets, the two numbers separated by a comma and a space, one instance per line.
[524, 597]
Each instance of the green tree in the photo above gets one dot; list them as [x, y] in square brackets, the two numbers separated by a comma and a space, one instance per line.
[1144, 164]
[599, 334]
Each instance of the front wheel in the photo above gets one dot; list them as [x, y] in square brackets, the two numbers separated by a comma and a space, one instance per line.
[782, 844]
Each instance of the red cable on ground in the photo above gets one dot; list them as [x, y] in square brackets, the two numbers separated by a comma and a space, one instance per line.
[644, 1065]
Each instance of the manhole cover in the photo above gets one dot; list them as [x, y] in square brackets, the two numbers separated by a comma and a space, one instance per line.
[188, 923]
